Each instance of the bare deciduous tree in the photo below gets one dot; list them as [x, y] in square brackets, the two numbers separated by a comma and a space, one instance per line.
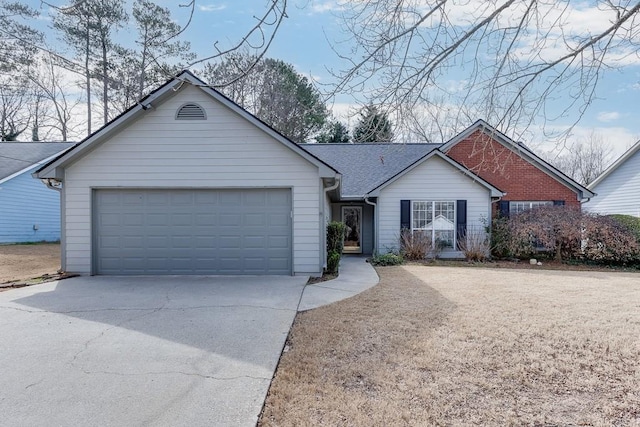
[585, 160]
[46, 76]
[510, 62]
[14, 108]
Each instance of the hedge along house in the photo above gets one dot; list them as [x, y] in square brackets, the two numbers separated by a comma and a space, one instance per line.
[528, 180]
[390, 187]
[187, 182]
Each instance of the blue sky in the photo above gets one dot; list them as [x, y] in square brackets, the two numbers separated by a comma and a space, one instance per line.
[312, 25]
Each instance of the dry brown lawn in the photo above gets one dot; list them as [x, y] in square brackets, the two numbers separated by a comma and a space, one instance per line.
[466, 346]
[23, 262]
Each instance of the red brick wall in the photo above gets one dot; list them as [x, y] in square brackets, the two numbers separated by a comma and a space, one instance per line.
[505, 169]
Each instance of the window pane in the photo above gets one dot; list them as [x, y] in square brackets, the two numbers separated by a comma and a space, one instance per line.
[518, 207]
[419, 215]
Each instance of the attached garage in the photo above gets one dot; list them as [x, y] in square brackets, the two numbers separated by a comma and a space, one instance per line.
[187, 182]
[189, 231]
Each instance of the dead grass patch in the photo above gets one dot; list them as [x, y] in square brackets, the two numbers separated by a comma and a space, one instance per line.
[453, 346]
[20, 263]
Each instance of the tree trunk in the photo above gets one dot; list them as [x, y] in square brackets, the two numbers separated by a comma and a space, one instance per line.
[105, 92]
[88, 79]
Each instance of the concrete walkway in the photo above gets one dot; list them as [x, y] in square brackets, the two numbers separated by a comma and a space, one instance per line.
[356, 275]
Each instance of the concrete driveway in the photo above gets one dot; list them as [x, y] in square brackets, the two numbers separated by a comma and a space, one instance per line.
[142, 351]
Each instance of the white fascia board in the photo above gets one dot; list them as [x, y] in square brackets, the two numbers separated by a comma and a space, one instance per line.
[83, 147]
[174, 85]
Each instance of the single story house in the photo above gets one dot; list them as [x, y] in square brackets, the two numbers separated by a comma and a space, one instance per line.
[187, 182]
[29, 212]
[618, 187]
[389, 187]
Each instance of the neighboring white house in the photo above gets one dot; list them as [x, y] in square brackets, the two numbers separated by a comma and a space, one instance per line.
[29, 211]
[618, 187]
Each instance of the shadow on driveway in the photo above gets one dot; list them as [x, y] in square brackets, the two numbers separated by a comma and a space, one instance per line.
[143, 350]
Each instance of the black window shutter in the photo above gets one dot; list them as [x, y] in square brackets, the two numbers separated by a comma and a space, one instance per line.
[504, 209]
[405, 214]
[461, 220]
[558, 203]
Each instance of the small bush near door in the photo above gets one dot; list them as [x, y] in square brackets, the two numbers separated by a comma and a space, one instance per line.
[387, 259]
[335, 243]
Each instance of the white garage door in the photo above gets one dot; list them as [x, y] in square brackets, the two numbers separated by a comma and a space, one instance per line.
[192, 231]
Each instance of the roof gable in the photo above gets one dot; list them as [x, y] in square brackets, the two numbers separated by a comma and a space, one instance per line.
[522, 151]
[630, 153]
[53, 168]
[17, 158]
[495, 192]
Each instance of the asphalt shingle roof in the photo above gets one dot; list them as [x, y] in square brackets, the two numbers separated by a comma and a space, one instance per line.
[15, 156]
[366, 166]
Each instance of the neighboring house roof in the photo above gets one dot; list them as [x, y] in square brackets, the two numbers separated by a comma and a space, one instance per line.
[18, 157]
[51, 169]
[521, 150]
[366, 166]
[626, 156]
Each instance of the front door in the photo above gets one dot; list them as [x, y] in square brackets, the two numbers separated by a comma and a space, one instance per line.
[352, 218]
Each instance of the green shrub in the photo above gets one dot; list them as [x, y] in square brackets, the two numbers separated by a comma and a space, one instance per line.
[500, 237]
[387, 259]
[333, 262]
[335, 236]
[335, 243]
[629, 222]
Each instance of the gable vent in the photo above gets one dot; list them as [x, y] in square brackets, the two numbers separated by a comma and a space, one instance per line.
[191, 111]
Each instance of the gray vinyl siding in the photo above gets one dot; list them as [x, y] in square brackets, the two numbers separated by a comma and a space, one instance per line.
[619, 192]
[27, 204]
[223, 152]
[434, 179]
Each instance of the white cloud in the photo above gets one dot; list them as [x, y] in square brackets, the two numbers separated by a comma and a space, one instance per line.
[326, 6]
[608, 116]
[212, 7]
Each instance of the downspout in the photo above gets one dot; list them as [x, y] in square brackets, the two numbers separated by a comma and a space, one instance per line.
[375, 224]
[323, 226]
[55, 184]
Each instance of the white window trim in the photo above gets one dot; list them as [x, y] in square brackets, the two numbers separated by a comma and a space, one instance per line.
[433, 210]
[532, 204]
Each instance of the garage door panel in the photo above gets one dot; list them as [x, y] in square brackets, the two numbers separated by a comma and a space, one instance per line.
[193, 231]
